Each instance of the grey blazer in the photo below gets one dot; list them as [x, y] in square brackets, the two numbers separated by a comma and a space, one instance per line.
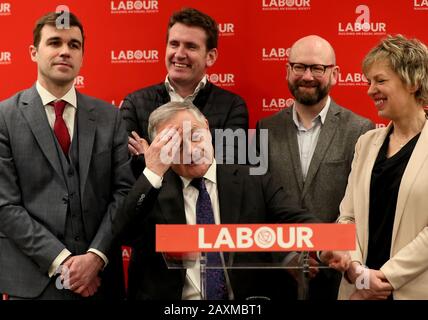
[328, 172]
[33, 192]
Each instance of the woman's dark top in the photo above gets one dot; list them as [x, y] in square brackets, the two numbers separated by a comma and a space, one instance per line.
[384, 187]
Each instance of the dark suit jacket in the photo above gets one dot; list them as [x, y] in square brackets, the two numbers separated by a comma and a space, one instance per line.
[223, 110]
[33, 209]
[242, 198]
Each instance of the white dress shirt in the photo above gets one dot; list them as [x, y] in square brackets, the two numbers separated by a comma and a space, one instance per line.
[308, 138]
[69, 110]
[175, 97]
[192, 288]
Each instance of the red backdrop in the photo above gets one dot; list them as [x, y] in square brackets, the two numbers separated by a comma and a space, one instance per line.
[125, 43]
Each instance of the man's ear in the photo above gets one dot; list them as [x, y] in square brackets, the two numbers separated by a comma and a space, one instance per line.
[33, 53]
[288, 71]
[211, 57]
[335, 75]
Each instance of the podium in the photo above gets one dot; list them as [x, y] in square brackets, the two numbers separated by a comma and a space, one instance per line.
[251, 246]
[191, 259]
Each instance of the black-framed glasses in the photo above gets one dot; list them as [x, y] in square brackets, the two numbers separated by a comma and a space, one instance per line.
[317, 70]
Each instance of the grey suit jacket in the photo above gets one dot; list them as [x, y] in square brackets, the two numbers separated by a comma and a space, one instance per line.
[328, 172]
[33, 193]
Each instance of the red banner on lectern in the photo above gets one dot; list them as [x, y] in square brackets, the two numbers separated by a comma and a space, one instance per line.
[254, 237]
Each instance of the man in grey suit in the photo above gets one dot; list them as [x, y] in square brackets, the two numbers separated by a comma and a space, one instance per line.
[64, 171]
[311, 144]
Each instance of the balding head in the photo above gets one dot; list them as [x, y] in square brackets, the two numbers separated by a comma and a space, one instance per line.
[312, 50]
[311, 88]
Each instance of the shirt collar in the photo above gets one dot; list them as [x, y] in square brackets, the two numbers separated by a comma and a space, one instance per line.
[322, 115]
[210, 175]
[200, 86]
[70, 97]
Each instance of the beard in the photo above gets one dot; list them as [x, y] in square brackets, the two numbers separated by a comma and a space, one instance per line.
[306, 98]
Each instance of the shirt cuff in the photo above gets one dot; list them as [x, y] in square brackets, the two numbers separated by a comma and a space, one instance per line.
[154, 179]
[99, 254]
[318, 256]
[64, 254]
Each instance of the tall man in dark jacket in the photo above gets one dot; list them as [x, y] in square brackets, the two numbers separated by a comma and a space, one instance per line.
[191, 49]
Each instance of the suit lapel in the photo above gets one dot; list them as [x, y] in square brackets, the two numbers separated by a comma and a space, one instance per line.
[327, 133]
[33, 111]
[230, 191]
[416, 161]
[291, 145]
[170, 199]
[229, 187]
[163, 94]
[86, 127]
[202, 103]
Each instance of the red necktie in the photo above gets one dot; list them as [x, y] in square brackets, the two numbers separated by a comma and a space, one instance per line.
[60, 129]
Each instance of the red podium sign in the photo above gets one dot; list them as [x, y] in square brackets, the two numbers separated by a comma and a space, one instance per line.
[254, 237]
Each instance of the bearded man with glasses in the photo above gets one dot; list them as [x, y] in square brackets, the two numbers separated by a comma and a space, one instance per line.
[311, 144]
